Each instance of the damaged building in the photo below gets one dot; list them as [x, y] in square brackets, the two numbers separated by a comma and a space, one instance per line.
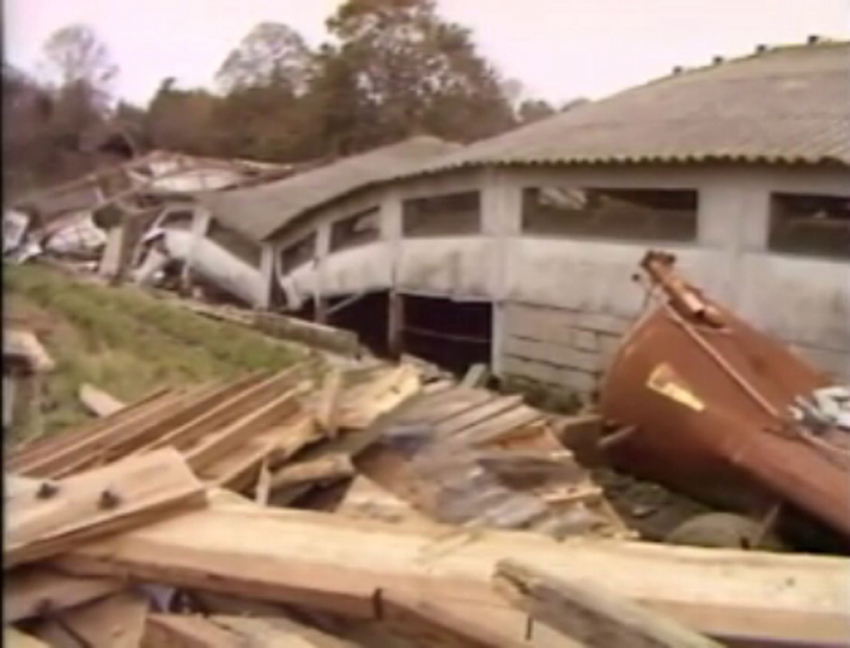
[518, 250]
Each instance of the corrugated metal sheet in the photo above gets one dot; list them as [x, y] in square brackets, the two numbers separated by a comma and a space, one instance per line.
[785, 106]
[258, 212]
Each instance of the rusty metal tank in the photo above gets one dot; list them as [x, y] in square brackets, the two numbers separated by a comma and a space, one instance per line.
[702, 401]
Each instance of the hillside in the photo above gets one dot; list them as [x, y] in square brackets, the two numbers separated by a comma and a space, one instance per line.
[124, 340]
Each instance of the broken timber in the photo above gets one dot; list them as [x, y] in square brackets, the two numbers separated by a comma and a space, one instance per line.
[32, 591]
[337, 564]
[47, 518]
[99, 402]
[329, 468]
[589, 614]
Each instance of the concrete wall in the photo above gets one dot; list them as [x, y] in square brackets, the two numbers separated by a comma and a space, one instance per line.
[804, 301]
[560, 304]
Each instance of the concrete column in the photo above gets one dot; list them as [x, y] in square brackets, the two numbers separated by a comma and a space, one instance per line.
[201, 220]
[501, 203]
[391, 234]
[323, 244]
[267, 277]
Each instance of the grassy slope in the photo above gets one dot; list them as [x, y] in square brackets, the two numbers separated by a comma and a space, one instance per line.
[125, 341]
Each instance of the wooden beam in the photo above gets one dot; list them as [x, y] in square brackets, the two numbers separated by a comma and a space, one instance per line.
[588, 614]
[361, 406]
[117, 621]
[187, 631]
[46, 519]
[91, 450]
[315, 335]
[328, 405]
[240, 401]
[414, 617]
[32, 450]
[218, 445]
[33, 591]
[475, 376]
[329, 468]
[261, 492]
[83, 441]
[99, 402]
[336, 563]
[279, 631]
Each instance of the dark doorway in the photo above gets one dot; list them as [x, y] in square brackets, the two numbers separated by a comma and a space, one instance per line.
[367, 315]
[451, 334]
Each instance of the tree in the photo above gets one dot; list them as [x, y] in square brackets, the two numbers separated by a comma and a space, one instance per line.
[415, 72]
[183, 120]
[75, 55]
[532, 110]
[271, 54]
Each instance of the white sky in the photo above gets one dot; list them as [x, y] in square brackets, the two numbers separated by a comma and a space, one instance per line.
[558, 49]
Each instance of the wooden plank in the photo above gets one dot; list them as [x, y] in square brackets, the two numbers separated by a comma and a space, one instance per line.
[261, 494]
[217, 446]
[486, 411]
[384, 394]
[227, 410]
[99, 402]
[367, 499]
[79, 441]
[456, 403]
[476, 376]
[291, 438]
[14, 638]
[187, 631]
[315, 335]
[106, 500]
[336, 563]
[328, 405]
[117, 621]
[32, 450]
[589, 614]
[279, 632]
[238, 470]
[151, 437]
[33, 591]
[329, 468]
[414, 617]
[498, 428]
[90, 450]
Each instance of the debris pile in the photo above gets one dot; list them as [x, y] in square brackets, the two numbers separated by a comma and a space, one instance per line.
[439, 514]
[136, 215]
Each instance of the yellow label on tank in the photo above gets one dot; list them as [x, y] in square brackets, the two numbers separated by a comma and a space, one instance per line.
[664, 380]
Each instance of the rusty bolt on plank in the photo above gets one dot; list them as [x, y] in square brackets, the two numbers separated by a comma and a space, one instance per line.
[109, 499]
[46, 490]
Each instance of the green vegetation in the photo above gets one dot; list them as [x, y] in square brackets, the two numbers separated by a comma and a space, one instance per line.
[125, 341]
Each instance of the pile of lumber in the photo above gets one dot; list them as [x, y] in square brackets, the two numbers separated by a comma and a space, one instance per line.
[366, 507]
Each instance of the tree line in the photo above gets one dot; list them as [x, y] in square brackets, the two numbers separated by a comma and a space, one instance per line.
[390, 69]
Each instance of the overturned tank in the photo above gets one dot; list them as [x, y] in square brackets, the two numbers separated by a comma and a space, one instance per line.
[704, 403]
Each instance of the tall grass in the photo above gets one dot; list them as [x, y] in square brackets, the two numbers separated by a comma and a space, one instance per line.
[126, 341]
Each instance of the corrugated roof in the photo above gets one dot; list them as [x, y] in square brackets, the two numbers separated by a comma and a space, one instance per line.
[258, 212]
[786, 105]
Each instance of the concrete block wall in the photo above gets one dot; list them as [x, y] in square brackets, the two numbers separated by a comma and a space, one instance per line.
[559, 347]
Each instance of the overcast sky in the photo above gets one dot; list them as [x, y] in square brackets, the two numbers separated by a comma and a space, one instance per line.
[557, 49]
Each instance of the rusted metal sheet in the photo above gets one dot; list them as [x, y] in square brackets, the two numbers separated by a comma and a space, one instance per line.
[708, 399]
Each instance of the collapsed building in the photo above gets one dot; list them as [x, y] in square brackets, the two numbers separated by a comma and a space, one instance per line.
[514, 251]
